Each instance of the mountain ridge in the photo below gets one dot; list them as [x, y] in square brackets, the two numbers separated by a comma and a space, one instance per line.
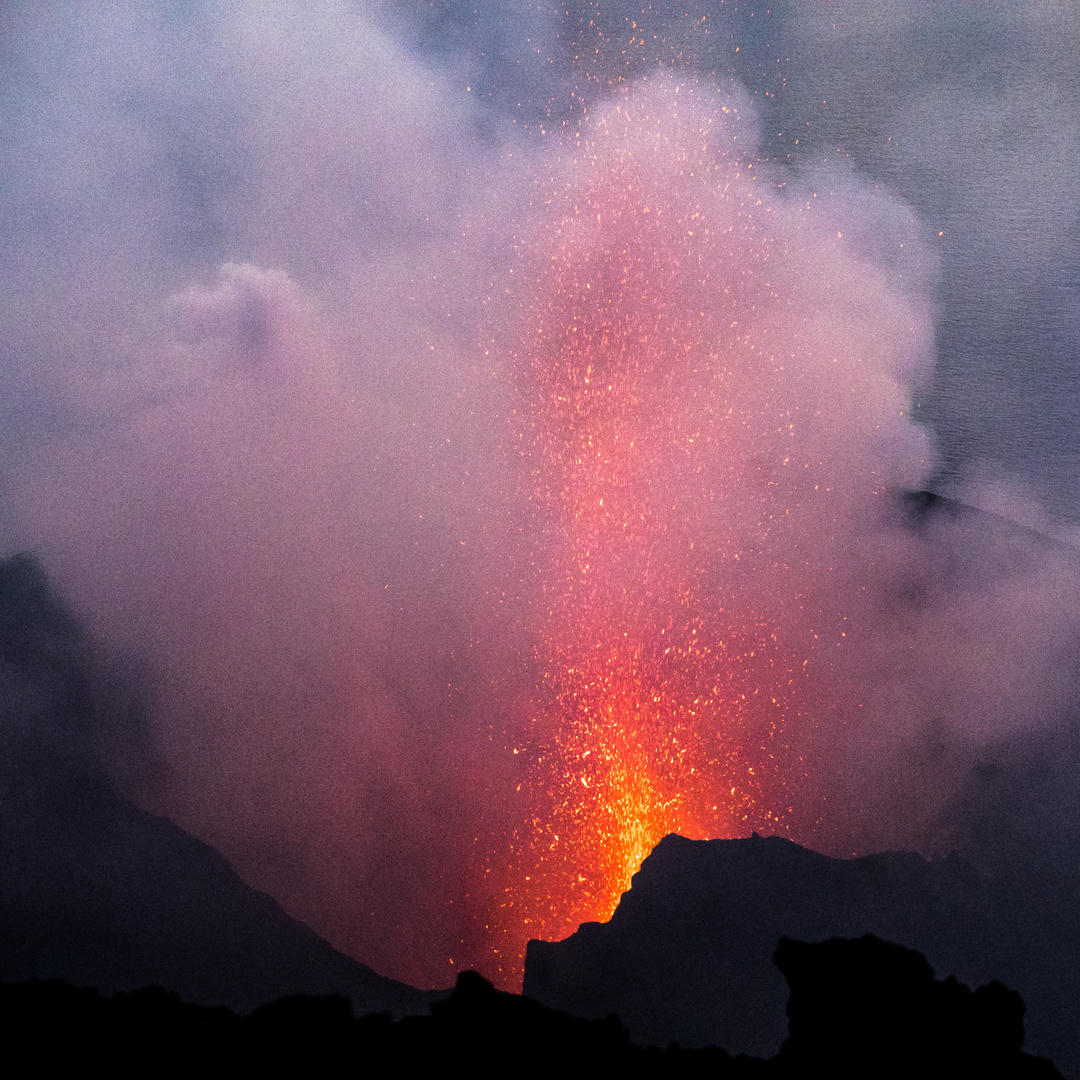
[98, 892]
[687, 954]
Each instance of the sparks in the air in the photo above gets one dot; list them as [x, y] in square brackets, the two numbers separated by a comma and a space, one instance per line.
[676, 458]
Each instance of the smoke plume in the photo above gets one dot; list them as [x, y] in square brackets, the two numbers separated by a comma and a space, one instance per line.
[298, 310]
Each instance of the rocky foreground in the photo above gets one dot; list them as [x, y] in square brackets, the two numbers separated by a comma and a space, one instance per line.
[857, 1008]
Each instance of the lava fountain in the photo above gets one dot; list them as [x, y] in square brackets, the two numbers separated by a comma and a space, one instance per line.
[685, 364]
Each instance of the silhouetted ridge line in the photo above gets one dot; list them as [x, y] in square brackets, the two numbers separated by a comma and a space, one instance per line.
[95, 890]
[858, 1008]
[867, 1007]
[687, 955]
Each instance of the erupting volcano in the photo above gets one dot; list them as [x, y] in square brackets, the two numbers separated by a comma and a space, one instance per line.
[675, 463]
[473, 434]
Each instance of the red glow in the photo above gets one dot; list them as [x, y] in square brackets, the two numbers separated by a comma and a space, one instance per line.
[668, 683]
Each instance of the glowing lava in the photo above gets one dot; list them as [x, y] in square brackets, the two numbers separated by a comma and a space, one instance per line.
[714, 392]
[664, 683]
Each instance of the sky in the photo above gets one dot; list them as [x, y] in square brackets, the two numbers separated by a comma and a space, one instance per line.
[473, 432]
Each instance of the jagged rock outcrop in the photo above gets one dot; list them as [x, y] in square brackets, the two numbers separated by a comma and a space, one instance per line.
[687, 955]
[867, 1007]
[858, 1008]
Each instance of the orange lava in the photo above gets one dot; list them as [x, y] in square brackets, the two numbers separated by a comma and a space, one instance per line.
[665, 689]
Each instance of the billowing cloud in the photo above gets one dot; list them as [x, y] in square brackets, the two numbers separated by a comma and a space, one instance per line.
[397, 405]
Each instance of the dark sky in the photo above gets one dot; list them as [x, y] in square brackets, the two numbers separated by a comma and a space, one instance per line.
[286, 296]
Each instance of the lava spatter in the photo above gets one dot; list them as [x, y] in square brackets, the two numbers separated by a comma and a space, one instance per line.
[664, 687]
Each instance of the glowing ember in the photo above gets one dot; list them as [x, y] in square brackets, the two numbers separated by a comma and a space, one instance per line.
[647, 376]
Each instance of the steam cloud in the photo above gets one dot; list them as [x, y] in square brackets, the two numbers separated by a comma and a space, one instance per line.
[269, 275]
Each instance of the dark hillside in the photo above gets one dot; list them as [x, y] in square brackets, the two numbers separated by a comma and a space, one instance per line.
[688, 953]
[96, 891]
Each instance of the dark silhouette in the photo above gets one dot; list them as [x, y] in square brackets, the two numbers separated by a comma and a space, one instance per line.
[98, 892]
[858, 1008]
[687, 955]
[868, 1007]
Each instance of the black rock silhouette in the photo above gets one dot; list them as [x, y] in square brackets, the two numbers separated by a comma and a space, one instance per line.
[868, 1007]
[95, 890]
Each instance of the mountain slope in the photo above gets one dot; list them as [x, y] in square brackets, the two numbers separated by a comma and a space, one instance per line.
[95, 890]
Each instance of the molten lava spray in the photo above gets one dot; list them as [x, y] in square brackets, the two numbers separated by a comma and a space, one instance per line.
[676, 460]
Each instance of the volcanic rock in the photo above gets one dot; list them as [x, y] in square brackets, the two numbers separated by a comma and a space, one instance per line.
[857, 1008]
[869, 1007]
[687, 955]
